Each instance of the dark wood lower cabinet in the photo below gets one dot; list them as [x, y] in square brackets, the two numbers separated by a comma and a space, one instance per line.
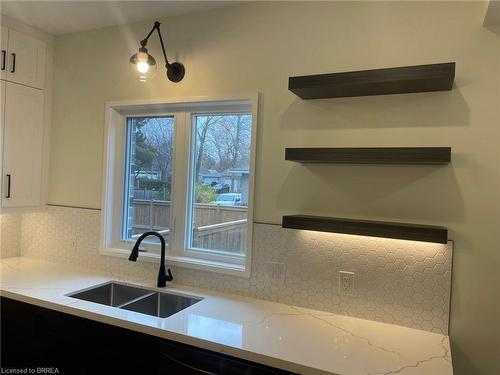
[33, 337]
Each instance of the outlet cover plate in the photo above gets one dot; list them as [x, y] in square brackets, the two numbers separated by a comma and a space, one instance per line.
[276, 272]
[346, 283]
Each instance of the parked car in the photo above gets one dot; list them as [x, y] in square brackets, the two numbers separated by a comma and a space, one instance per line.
[229, 199]
[221, 188]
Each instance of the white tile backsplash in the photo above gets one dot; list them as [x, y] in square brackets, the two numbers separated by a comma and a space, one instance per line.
[10, 235]
[398, 282]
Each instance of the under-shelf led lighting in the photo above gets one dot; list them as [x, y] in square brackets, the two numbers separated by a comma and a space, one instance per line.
[400, 231]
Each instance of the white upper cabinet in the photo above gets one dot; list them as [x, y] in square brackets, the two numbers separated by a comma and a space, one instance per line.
[2, 127]
[3, 57]
[22, 116]
[25, 59]
[25, 125]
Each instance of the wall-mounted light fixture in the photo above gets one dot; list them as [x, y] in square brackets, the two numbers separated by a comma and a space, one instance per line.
[145, 64]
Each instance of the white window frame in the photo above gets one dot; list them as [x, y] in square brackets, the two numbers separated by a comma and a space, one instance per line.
[183, 110]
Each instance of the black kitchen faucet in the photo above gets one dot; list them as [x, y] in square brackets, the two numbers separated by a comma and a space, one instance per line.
[162, 276]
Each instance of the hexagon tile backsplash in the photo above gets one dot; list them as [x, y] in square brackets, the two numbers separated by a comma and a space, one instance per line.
[398, 282]
[10, 235]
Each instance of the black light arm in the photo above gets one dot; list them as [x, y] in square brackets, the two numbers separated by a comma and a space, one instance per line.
[145, 41]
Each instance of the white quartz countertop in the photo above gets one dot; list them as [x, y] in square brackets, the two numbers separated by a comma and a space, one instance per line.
[287, 337]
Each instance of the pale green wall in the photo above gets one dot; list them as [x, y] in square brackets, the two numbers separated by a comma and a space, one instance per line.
[255, 48]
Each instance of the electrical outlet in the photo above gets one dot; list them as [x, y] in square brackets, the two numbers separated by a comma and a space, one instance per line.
[276, 272]
[279, 273]
[74, 242]
[346, 283]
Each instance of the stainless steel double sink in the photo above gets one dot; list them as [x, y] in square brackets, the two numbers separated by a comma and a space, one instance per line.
[141, 300]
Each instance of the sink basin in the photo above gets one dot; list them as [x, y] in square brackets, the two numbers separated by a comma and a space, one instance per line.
[141, 300]
[111, 294]
[161, 304]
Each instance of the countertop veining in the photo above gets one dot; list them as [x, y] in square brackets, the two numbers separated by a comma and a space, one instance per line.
[288, 337]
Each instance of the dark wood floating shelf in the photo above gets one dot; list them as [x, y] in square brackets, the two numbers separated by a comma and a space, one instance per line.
[402, 231]
[402, 80]
[370, 155]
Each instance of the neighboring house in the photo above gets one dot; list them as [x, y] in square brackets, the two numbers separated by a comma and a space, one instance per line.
[238, 182]
[150, 175]
[210, 177]
[235, 178]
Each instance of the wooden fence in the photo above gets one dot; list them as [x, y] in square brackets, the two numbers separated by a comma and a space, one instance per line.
[215, 227]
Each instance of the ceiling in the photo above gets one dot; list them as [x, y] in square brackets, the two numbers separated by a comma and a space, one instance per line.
[60, 17]
[492, 16]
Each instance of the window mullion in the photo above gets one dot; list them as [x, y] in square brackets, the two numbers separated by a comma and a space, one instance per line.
[179, 192]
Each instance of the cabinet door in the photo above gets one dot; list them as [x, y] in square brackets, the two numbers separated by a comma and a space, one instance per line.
[3, 57]
[22, 146]
[26, 60]
[2, 130]
[180, 359]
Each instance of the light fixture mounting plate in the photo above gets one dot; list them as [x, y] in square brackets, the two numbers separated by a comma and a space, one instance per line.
[175, 72]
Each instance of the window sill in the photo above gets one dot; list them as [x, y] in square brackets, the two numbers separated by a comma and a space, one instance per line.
[184, 262]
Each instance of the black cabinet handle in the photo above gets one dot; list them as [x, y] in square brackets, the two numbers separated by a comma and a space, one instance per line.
[178, 365]
[8, 186]
[13, 63]
[4, 55]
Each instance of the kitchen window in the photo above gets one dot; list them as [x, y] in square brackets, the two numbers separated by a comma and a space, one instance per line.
[185, 170]
[218, 183]
[148, 176]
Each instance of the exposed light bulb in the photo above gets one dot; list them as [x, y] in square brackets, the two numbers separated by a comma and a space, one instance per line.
[142, 67]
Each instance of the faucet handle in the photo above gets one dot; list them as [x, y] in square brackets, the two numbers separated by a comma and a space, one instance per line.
[169, 277]
[163, 277]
